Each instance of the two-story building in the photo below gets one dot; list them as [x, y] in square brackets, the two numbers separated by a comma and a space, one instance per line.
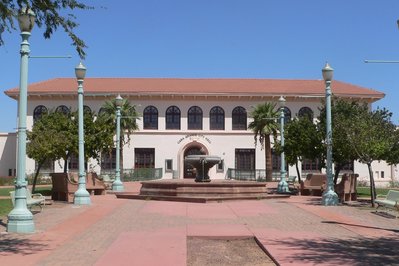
[179, 117]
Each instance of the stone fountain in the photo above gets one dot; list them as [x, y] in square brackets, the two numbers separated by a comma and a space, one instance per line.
[202, 164]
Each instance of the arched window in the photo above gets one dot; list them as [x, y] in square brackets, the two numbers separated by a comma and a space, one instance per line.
[287, 115]
[38, 112]
[86, 109]
[216, 116]
[239, 117]
[150, 117]
[101, 111]
[172, 117]
[194, 116]
[63, 109]
[306, 112]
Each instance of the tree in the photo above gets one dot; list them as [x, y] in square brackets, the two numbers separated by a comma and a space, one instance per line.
[49, 14]
[392, 156]
[49, 139]
[342, 112]
[302, 140]
[55, 136]
[98, 135]
[264, 125]
[373, 136]
[128, 120]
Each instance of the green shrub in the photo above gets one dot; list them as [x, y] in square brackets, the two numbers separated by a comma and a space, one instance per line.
[42, 179]
[7, 180]
[394, 184]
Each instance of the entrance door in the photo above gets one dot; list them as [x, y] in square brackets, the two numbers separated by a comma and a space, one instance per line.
[188, 169]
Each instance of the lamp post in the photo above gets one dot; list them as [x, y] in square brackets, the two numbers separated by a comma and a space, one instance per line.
[282, 185]
[117, 185]
[82, 196]
[330, 198]
[20, 219]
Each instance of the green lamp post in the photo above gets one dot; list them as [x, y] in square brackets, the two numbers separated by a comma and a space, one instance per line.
[20, 219]
[282, 185]
[117, 185]
[82, 196]
[329, 198]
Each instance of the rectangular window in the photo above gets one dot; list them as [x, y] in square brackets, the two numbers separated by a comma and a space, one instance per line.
[382, 174]
[310, 165]
[108, 160]
[245, 159]
[168, 165]
[144, 158]
[276, 161]
[73, 162]
[377, 174]
[220, 167]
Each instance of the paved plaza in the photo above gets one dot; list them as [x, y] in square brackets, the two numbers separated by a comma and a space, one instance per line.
[111, 231]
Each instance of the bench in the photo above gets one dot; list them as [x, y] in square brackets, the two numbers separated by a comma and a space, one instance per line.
[346, 189]
[36, 199]
[391, 201]
[65, 185]
[314, 184]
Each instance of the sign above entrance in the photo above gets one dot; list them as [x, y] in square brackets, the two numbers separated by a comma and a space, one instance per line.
[194, 137]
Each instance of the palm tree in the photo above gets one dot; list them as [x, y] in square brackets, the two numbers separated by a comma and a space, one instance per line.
[264, 125]
[128, 123]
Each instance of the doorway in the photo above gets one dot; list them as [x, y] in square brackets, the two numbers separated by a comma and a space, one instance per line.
[193, 150]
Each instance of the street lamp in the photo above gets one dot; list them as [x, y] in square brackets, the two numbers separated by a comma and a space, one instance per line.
[282, 185]
[82, 196]
[330, 198]
[117, 185]
[20, 219]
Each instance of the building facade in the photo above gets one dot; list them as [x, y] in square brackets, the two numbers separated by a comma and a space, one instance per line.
[179, 117]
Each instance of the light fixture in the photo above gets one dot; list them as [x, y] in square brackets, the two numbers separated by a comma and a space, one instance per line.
[26, 19]
[327, 72]
[118, 101]
[281, 100]
[80, 71]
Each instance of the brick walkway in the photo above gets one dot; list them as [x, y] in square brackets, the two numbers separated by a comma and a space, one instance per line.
[294, 231]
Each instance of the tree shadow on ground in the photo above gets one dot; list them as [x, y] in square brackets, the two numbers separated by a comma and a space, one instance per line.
[310, 201]
[356, 251]
[11, 245]
[363, 226]
[2, 223]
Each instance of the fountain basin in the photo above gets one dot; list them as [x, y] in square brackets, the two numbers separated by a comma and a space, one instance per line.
[202, 164]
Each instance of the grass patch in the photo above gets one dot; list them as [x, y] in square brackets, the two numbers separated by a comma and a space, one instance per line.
[365, 191]
[5, 191]
[5, 207]
[45, 191]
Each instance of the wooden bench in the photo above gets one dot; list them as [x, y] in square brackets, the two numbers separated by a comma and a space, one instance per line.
[36, 199]
[346, 189]
[390, 202]
[65, 185]
[314, 184]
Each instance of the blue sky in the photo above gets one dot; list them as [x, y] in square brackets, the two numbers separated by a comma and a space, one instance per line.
[288, 39]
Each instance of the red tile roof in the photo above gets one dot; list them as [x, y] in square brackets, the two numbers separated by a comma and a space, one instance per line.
[185, 86]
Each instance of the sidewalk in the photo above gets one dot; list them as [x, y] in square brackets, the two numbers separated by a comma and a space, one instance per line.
[294, 231]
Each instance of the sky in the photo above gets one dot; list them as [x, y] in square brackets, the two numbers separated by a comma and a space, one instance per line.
[277, 39]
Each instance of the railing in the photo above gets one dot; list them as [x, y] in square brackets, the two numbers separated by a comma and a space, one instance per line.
[250, 175]
[139, 174]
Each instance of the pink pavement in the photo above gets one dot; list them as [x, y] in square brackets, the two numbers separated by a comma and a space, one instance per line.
[111, 231]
